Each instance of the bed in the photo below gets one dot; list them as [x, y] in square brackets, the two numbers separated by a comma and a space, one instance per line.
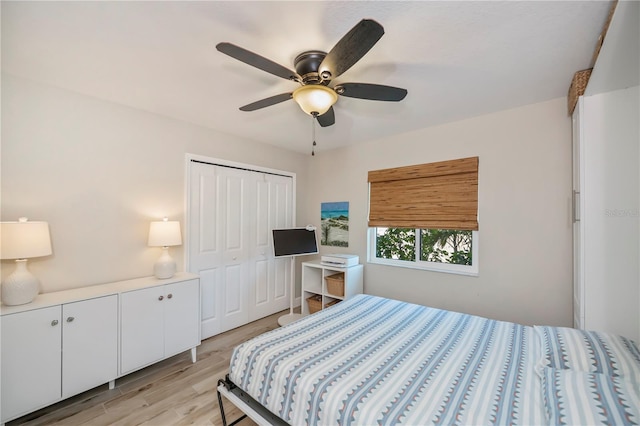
[376, 361]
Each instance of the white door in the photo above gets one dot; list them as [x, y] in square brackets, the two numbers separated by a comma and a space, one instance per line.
[235, 207]
[205, 251]
[269, 278]
[219, 202]
[31, 363]
[231, 213]
[89, 344]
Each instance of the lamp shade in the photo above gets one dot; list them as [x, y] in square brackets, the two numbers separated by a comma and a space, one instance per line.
[24, 239]
[315, 98]
[164, 233]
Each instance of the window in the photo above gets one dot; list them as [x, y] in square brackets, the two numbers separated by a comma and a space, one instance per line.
[444, 250]
[425, 216]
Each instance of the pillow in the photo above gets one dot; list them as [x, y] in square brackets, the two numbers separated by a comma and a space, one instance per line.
[589, 351]
[579, 398]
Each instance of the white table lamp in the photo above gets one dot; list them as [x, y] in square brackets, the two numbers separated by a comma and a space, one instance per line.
[164, 234]
[22, 240]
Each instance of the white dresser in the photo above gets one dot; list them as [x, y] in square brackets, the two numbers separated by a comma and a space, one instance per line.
[67, 342]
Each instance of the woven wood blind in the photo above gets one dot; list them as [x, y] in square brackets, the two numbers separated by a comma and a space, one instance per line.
[440, 195]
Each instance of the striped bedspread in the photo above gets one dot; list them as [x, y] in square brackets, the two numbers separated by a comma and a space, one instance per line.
[375, 361]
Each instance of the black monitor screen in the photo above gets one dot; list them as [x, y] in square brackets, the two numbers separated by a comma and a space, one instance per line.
[294, 242]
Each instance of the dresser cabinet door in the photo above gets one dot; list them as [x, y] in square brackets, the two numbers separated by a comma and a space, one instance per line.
[31, 351]
[89, 344]
[141, 328]
[182, 316]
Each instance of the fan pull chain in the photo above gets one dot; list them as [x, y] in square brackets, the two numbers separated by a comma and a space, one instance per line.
[313, 134]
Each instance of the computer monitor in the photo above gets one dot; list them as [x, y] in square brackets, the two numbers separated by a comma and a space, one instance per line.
[294, 242]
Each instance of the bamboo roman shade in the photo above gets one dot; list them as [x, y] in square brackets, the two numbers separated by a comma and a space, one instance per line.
[441, 195]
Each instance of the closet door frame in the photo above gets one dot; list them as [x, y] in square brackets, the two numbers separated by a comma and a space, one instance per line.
[190, 159]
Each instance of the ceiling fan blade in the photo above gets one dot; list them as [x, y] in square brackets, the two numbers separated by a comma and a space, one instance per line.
[374, 92]
[327, 119]
[262, 103]
[257, 61]
[353, 46]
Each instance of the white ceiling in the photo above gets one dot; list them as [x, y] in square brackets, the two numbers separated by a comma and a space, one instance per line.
[457, 59]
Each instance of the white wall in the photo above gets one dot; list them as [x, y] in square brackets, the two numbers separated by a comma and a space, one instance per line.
[99, 172]
[524, 212]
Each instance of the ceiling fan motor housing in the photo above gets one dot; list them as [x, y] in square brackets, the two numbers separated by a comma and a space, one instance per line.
[307, 64]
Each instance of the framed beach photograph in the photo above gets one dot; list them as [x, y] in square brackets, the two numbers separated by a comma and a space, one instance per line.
[334, 224]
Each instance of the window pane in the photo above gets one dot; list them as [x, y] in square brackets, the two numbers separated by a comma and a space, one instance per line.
[396, 243]
[446, 246]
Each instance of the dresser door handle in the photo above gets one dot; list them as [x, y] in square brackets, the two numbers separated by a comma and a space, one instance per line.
[54, 323]
[161, 298]
[169, 296]
[70, 319]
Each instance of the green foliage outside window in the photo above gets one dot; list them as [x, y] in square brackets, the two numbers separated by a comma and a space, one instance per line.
[446, 246]
[396, 243]
[436, 245]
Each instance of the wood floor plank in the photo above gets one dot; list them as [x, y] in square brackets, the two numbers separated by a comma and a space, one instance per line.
[120, 408]
[159, 405]
[71, 416]
[199, 410]
[172, 392]
[152, 373]
[168, 417]
[75, 410]
[86, 416]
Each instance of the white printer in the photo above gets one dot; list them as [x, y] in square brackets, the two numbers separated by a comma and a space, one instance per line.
[340, 260]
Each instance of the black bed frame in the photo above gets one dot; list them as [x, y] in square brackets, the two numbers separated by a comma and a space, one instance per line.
[255, 405]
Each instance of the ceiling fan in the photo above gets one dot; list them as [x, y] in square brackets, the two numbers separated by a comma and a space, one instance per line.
[314, 70]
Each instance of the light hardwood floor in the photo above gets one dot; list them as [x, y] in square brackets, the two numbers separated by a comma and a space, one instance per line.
[172, 392]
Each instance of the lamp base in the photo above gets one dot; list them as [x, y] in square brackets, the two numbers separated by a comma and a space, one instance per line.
[165, 266]
[21, 286]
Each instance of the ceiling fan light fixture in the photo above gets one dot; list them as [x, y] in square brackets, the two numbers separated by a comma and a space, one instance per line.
[315, 99]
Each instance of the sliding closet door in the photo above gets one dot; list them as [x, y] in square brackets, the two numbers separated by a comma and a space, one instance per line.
[231, 214]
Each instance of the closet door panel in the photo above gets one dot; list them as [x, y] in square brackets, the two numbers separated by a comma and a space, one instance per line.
[281, 212]
[271, 281]
[205, 242]
[233, 209]
[261, 280]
